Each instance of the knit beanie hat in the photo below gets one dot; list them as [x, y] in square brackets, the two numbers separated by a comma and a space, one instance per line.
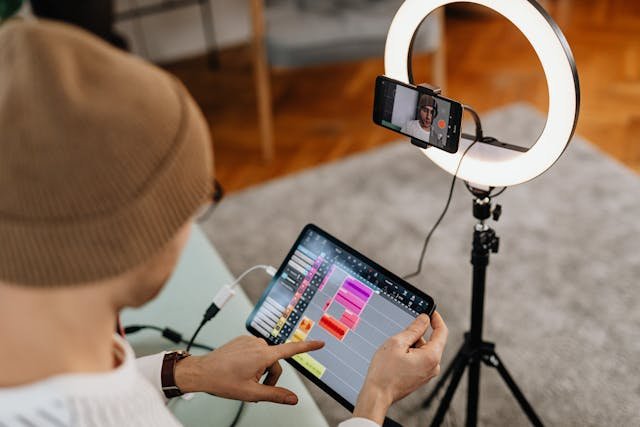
[103, 157]
[425, 101]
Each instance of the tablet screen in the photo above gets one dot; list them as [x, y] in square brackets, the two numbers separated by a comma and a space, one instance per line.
[326, 291]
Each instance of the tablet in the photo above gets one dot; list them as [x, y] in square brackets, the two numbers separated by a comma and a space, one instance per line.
[325, 290]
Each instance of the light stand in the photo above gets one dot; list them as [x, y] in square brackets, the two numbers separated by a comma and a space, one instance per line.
[489, 168]
[474, 349]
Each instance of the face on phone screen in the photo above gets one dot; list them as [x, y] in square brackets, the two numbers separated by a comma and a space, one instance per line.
[418, 114]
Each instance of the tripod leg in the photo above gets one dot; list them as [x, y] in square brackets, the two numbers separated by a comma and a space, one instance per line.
[473, 393]
[443, 378]
[495, 361]
[458, 370]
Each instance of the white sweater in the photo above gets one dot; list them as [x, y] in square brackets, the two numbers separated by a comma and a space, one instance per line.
[413, 128]
[130, 395]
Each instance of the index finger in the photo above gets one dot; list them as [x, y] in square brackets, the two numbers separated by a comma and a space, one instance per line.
[283, 351]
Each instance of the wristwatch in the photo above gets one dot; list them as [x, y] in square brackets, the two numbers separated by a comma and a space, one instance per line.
[167, 374]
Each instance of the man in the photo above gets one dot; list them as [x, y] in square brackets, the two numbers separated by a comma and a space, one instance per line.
[421, 127]
[104, 159]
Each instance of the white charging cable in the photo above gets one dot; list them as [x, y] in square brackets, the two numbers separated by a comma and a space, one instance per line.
[227, 291]
[224, 295]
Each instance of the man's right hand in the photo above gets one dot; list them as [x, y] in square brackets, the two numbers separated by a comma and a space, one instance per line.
[404, 363]
[234, 370]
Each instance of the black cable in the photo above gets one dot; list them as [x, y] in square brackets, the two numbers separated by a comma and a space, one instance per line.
[132, 329]
[478, 137]
[176, 337]
[491, 194]
[238, 415]
[223, 296]
[211, 312]
[472, 190]
[498, 193]
[219, 301]
[444, 212]
[168, 333]
[195, 334]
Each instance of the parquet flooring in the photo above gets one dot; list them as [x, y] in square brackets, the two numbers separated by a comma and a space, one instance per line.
[324, 113]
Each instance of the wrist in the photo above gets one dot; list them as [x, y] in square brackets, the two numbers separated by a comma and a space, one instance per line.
[373, 403]
[187, 374]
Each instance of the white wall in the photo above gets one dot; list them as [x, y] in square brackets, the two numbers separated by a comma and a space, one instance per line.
[404, 105]
[179, 33]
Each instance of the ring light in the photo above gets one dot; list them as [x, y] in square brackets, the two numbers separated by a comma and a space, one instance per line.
[488, 165]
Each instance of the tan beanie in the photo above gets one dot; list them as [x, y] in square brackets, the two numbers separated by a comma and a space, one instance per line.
[103, 157]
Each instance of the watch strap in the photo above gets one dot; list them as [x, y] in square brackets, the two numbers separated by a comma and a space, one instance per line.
[167, 373]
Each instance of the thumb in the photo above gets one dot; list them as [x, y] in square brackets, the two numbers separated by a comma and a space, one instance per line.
[415, 330]
[266, 393]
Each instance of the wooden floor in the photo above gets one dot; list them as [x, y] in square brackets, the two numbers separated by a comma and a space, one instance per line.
[324, 113]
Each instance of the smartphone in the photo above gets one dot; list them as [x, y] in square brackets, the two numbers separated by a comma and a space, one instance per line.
[417, 112]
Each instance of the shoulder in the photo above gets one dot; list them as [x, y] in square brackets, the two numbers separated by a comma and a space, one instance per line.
[31, 403]
[73, 398]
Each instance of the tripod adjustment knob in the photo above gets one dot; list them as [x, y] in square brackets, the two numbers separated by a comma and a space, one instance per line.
[497, 211]
[495, 245]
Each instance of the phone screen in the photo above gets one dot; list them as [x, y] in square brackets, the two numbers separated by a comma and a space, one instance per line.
[418, 113]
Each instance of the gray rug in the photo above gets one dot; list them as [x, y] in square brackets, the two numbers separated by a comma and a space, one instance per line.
[562, 294]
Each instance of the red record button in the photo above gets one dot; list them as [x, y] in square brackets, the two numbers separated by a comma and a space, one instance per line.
[441, 124]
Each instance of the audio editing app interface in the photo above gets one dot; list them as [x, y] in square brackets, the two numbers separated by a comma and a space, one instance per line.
[325, 293]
